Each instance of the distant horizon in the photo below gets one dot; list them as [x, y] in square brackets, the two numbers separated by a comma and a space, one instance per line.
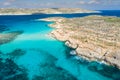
[58, 8]
[84, 4]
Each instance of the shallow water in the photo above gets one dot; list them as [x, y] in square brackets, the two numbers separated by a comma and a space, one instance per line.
[42, 57]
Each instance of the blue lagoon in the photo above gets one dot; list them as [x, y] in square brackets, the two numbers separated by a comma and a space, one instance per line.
[35, 55]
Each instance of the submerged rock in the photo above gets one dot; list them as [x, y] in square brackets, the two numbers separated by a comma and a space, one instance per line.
[3, 28]
[8, 37]
[10, 71]
[108, 71]
[73, 52]
[16, 53]
[54, 73]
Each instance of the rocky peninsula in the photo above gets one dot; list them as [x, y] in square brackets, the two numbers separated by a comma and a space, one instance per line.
[92, 37]
[23, 11]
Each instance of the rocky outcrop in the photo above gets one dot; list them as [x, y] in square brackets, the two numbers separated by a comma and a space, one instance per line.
[114, 58]
[71, 44]
[92, 37]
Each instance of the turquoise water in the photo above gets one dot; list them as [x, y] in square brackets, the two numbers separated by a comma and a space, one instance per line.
[45, 58]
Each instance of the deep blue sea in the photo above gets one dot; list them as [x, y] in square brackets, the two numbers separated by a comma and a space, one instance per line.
[37, 56]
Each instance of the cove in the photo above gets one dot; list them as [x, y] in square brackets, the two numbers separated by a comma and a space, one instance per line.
[34, 55]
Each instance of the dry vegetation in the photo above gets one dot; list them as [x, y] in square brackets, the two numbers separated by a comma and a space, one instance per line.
[97, 37]
[104, 31]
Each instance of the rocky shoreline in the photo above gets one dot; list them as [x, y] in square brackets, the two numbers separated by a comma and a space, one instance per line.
[95, 38]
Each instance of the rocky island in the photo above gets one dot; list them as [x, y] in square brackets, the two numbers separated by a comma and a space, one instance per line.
[23, 11]
[92, 37]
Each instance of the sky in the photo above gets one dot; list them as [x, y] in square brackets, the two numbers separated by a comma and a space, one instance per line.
[85, 4]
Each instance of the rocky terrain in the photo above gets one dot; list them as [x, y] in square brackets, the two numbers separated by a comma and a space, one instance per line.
[21, 11]
[92, 37]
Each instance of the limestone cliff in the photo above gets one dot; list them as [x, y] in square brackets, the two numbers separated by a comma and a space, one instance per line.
[93, 37]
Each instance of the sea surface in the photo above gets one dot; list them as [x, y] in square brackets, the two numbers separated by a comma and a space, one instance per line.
[34, 55]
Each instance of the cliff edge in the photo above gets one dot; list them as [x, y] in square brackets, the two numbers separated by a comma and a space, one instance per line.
[93, 37]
